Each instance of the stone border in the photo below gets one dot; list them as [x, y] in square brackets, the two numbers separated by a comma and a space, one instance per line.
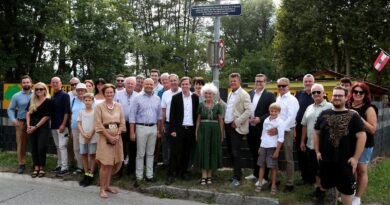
[205, 196]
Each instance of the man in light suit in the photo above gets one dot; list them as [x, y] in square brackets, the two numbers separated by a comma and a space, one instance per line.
[238, 110]
[261, 100]
[184, 106]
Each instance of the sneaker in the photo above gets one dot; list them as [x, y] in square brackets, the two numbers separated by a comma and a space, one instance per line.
[151, 180]
[62, 173]
[250, 177]
[78, 171]
[89, 180]
[57, 169]
[21, 169]
[137, 183]
[264, 182]
[235, 183]
[356, 200]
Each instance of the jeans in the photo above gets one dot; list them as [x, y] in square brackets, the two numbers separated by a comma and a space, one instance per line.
[61, 142]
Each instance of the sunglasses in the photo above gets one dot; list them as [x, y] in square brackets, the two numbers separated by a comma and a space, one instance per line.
[358, 92]
[120, 80]
[39, 89]
[73, 84]
[282, 86]
[316, 92]
[338, 96]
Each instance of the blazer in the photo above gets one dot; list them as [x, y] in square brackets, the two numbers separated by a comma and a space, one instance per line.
[242, 111]
[262, 111]
[177, 111]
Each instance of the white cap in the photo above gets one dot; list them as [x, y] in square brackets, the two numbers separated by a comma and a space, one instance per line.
[81, 86]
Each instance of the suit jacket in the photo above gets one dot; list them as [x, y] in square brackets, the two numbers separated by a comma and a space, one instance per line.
[177, 111]
[262, 111]
[242, 111]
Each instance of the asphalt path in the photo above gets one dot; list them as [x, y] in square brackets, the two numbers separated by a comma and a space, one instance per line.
[23, 190]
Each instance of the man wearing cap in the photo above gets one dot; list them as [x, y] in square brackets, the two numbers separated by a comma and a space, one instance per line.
[60, 114]
[76, 106]
[19, 102]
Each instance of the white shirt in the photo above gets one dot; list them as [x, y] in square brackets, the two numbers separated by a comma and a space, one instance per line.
[310, 117]
[229, 117]
[166, 102]
[289, 108]
[72, 95]
[255, 101]
[268, 141]
[187, 119]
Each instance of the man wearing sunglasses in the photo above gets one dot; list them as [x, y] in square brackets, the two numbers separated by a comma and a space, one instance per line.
[290, 107]
[305, 99]
[339, 139]
[120, 82]
[19, 102]
[306, 143]
[72, 93]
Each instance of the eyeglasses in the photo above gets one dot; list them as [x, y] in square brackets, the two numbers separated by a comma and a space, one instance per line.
[316, 92]
[120, 80]
[358, 92]
[259, 81]
[73, 84]
[282, 86]
[338, 96]
[39, 89]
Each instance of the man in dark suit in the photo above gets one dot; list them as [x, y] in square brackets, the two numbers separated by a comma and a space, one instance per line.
[261, 99]
[184, 106]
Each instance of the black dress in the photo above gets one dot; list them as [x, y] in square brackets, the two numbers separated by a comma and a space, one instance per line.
[40, 137]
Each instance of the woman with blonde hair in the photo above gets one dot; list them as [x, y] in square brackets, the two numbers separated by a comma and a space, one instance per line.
[90, 86]
[37, 120]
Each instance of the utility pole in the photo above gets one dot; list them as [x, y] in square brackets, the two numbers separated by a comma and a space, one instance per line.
[217, 27]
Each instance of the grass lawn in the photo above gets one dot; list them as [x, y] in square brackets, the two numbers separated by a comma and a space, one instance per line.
[378, 190]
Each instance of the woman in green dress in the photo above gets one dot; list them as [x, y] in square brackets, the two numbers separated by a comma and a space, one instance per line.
[209, 134]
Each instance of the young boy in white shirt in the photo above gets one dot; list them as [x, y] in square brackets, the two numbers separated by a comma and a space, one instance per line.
[270, 146]
[87, 138]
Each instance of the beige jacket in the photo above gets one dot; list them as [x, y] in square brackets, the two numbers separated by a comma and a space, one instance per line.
[242, 111]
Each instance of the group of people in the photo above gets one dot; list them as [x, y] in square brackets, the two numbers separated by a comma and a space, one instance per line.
[134, 121]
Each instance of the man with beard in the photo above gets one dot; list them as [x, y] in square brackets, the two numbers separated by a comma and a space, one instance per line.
[20, 101]
[305, 99]
[339, 140]
[120, 85]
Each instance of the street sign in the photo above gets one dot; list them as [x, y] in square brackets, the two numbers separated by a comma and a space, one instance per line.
[217, 10]
[221, 53]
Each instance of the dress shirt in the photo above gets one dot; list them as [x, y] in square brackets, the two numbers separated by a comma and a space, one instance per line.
[268, 141]
[123, 98]
[310, 117]
[166, 102]
[229, 117]
[20, 101]
[146, 109]
[289, 108]
[187, 118]
[255, 101]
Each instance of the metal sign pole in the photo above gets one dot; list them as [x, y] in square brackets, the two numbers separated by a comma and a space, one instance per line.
[217, 26]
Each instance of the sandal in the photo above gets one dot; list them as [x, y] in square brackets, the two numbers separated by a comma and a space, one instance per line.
[273, 191]
[41, 173]
[35, 173]
[103, 194]
[112, 190]
[209, 180]
[258, 188]
[203, 181]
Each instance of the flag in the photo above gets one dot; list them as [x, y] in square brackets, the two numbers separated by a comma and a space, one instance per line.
[381, 61]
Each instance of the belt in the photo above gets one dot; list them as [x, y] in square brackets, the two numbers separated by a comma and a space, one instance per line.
[107, 126]
[187, 127]
[145, 124]
[205, 120]
[23, 120]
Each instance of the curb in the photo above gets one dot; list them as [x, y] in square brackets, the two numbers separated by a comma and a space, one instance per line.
[208, 196]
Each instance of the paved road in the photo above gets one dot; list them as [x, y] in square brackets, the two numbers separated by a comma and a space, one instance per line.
[23, 190]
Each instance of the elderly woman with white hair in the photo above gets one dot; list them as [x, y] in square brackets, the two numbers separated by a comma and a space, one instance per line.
[209, 134]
